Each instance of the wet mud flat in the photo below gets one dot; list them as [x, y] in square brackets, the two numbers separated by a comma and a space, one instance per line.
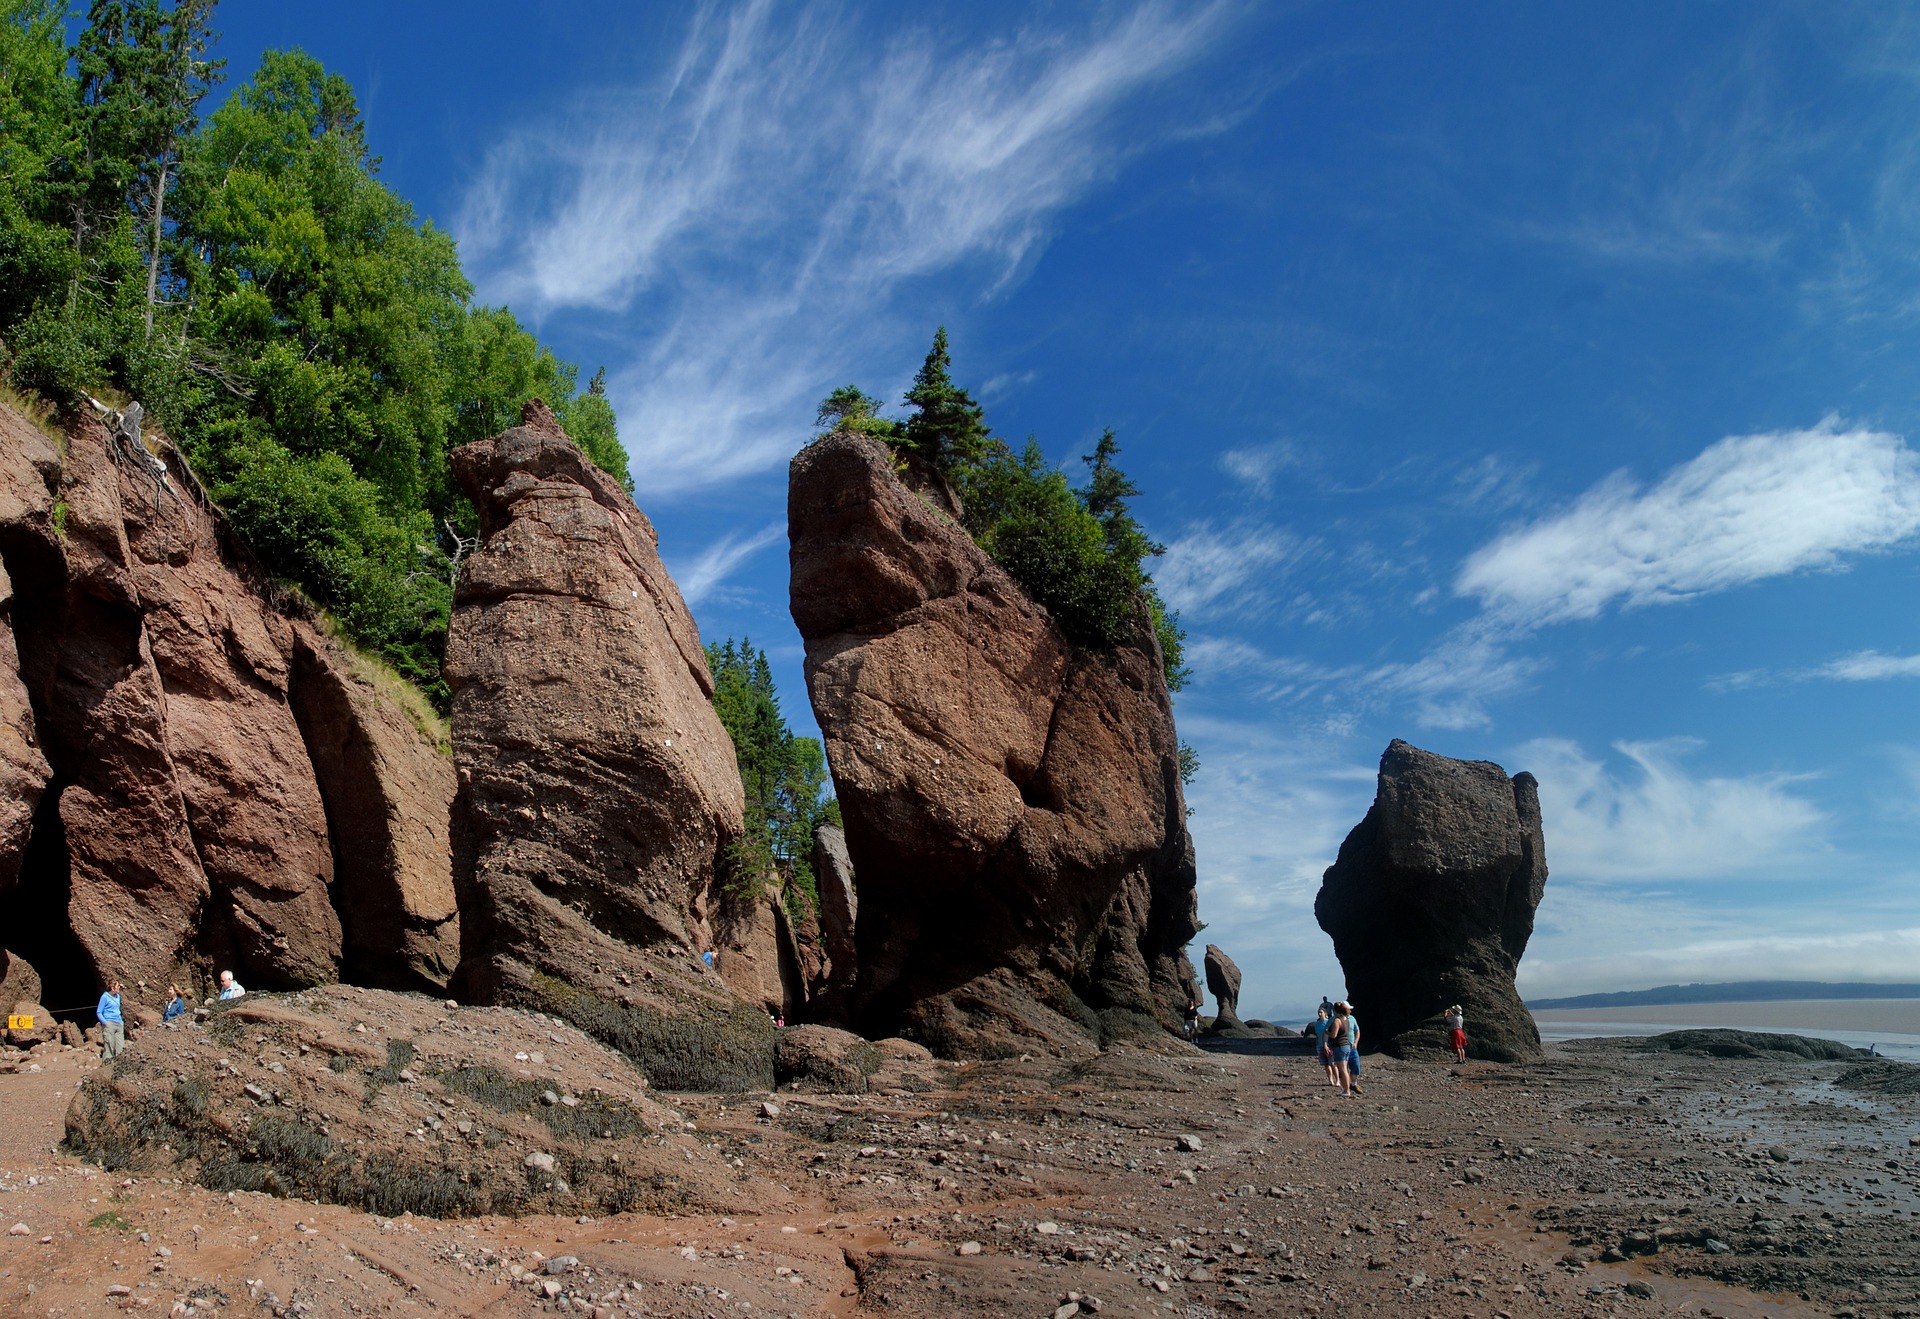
[1608, 1180]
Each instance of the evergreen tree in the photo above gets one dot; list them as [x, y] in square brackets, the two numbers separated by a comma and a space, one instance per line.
[783, 776]
[947, 427]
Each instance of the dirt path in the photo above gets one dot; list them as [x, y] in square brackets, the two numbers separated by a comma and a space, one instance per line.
[1026, 1186]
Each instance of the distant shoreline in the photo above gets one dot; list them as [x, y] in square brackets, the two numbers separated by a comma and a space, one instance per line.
[1738, 991]
[1897, 1016]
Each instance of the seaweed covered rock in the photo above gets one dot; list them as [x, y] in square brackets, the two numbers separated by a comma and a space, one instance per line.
[318, 1095]
[1722, 1043]
[1012, 803]
[1431, 901]
[597, 792]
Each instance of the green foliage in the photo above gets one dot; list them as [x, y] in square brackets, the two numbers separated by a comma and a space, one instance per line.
[306, 339]
[783, 776]
[1079, 552]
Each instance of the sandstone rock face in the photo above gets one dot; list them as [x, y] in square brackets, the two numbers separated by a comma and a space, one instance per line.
[1223, 982]
[1431, 903]
[343, 1131]
[597, 790]
[1013, 805]
[19, 982]
[149, 678]
[756, 955]
[839, 906]
[183, 827]
[388, 787]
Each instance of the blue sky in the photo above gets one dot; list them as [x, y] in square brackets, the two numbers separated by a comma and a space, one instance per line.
[1530, 383]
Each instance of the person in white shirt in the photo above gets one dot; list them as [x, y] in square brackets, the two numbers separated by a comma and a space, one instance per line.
[229, 987]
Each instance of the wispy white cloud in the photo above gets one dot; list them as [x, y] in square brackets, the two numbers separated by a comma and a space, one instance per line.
[1870, 666]
[1256, 465]
[1240, 568]
[1659, 822]
[1451, 685]
[702, 577]
[753, 207]
[1749, 507]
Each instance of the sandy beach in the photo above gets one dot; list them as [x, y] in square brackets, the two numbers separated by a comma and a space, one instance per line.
[1606, 1180]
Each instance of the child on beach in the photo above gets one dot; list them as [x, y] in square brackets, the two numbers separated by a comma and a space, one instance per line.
[1456, 1024]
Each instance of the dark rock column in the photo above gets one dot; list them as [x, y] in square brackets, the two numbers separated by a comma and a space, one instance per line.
[1223, 982]
[1431, 903]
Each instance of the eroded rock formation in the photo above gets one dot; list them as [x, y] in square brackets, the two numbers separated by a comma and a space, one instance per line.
[1431, 903]
[839, 906]
[1223, 982]
[1013, 804]
[597, 790]
[388, 788]
[147, 680]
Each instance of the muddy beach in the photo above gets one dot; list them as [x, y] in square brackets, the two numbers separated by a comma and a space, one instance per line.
[1609, 1179]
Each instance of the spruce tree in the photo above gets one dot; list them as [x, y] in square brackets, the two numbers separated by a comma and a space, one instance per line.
[947, 427]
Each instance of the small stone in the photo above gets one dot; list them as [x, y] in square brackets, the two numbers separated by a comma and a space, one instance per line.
[968, 1248]
[769, 1109]
[1715, 1246]
[1780, 1154]
[549, 1098]
[1199, 1275]
[540, 1161]
[1641, 1289]
[1047, 1229]
[1186, 1175]
[560, 1264]
[119, 1289]
[551, 1289]
[19, 1230]
[1188, 1144]
[255, 1093]
[1067, 1311]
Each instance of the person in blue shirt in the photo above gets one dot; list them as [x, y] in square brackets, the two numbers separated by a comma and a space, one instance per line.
[176, 1006]
[1320, 1026]
[113, 1027]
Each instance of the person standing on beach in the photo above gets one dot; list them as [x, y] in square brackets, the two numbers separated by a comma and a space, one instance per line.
[1321, 1025]
[113, 1026]
[1353, 1048]
[1456, 1023]
[1339, 1038]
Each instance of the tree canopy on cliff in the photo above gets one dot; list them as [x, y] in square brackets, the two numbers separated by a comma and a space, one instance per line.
[310, 343]
[783, 775]
[1078, 551]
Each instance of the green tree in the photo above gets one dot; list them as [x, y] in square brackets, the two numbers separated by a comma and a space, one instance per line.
[783, 776]
[947, 427]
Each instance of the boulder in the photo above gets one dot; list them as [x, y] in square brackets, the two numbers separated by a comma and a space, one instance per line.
[597, 792]
[1223, 982]
[839, 906]
[827, 1059]
[44, 1027]
[754, 953]
[1012, 803]
[385, 773]
[359, 1072]
[19, 982]
[1431, 902]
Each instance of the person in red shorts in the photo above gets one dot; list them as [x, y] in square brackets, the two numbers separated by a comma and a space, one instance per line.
[1456, 1024]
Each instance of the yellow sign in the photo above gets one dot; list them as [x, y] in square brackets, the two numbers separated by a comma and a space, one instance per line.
[19, 1023]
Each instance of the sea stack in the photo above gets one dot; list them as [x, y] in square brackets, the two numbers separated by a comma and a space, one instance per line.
[1223, 982]
[1012, 802]
[1431, 902]
[597, 790]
